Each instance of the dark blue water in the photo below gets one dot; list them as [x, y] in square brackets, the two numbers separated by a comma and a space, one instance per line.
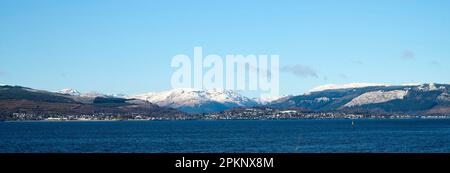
[227, 136]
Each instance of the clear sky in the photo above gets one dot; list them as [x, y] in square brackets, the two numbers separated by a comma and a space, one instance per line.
[126, 46]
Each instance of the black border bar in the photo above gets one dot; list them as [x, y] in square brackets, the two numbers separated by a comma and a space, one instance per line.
[141, 161]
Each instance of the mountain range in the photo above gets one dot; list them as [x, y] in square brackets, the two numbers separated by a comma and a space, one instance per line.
[409, 99]
[355, 97]
[198, 101]
[23, 100]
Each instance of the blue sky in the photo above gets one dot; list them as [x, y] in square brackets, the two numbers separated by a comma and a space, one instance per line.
[126, 46]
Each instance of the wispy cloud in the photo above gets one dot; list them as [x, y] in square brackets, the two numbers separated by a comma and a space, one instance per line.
[408, 54]
[435, 63]
[300, 70]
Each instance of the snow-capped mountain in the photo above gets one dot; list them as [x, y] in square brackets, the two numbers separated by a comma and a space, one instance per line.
[74, 92]
[194, 101]
[268, 100]
[413, 98]
[86, 98]
[429, 87]
[377, 97]
[344, 86]
[69, 91]
[420, 99]
[14, 99]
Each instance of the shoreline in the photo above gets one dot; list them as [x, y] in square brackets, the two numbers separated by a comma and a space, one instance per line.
[131, 120]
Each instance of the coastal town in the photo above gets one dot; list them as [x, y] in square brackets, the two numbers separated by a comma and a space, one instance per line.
[234, 114]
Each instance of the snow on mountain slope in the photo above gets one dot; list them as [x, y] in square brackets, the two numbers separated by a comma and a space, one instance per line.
[376, 97]
[76, 93]
[69, 91]
[228, 96]
[322, 99]
[86, 98]
[429, 87]
[183, 97]
[267, 100]
[173, 98]
[344, 86]
[444, 97]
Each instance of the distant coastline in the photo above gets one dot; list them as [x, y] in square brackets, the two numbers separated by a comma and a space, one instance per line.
[368, 102]
[267, 119]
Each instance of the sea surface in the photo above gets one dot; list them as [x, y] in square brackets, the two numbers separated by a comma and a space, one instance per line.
[234, 136]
